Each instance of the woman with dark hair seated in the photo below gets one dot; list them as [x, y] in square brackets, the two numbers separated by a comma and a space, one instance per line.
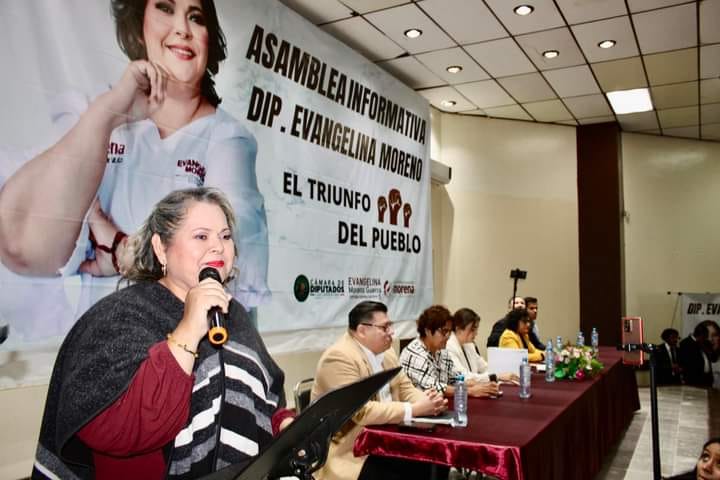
[517, 328]
[463, 350]
[426, 361]
[708, 465]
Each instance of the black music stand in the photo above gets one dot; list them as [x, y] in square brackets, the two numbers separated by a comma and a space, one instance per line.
[302, 447]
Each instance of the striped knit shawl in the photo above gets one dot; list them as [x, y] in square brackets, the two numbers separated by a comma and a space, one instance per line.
[237, 388]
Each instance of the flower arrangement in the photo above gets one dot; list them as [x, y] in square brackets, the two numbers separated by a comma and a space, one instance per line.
[576, 363]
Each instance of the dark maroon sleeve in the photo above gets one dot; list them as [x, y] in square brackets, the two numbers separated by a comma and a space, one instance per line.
[278, 417]
[149, 414]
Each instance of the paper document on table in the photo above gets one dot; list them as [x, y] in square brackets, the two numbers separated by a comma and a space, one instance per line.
[444, 419]
[502, 360]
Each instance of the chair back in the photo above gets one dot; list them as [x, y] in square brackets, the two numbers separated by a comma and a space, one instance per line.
[301, 392]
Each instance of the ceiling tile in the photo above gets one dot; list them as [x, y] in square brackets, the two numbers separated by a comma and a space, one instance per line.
[548, 111]
[642, 5]
[634, 122]
[573, 81]
[544, 17]
[676, 95]
[711, 132]
[679, 117]
[411, 72]
[394, 21]
[710, 113]
[710, 61]
[683, 132]
[511, 111]
[710, 90]
[667, 29]
[363, 37]
[589, 106]
[589, 35]
[364, 6]
[559, 39]
[439, 60]
[501, 58]
[437, 95]
[709, 21]
[466, 21]
[319, 11]
[530, 87]
[620, 74]
[586, 11]
[592, 120]
[485, 94]
[672, 67]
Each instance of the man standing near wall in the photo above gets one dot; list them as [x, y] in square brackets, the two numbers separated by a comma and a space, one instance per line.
[516, 303]
[365, 349]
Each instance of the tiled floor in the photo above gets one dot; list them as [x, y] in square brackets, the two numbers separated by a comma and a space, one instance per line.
[687, 418]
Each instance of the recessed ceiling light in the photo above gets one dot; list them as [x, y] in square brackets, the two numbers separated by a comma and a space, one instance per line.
[454, 69]
[413, 33]
[523, 10]
[551, 53]
[607, 44]
[630, 101]
[448, 103]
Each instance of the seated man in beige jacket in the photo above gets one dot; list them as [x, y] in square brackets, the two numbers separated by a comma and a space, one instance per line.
[366, 349]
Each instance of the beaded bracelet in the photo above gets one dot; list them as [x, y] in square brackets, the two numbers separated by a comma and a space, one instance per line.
[181, 345]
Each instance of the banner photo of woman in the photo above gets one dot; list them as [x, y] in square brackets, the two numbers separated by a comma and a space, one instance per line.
[111, 105]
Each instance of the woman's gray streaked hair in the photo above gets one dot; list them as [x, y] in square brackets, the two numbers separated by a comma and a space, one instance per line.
[165, 220]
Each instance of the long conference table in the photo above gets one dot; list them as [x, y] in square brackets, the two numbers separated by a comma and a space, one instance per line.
[563, 431]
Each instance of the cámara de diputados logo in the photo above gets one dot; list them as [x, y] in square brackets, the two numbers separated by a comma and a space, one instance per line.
[304, 288]
[301, 288]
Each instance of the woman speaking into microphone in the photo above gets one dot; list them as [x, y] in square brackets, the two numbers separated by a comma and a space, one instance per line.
[138, 390]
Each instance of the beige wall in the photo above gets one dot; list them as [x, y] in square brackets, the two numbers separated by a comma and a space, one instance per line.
[672, 231]
[512, 202]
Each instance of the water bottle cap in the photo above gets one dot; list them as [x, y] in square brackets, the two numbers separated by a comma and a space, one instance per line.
[460, 377]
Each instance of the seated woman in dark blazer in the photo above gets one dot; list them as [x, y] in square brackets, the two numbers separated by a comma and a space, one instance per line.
[517, 329]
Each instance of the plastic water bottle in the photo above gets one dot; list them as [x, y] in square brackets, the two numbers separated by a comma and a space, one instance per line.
[595, 340]
[580, 339]
[549, 362]
[559, 344]
[524, 379]
[461, 402]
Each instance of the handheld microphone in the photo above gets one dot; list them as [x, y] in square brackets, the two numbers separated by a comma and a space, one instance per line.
[216, 319]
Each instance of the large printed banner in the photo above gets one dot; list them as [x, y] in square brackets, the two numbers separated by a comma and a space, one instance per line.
[323, 155]
[698, 307]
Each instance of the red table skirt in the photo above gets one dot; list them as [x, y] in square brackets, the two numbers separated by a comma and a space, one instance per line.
[563, 431]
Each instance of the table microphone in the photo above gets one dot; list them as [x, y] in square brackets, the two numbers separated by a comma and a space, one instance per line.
[216, 319]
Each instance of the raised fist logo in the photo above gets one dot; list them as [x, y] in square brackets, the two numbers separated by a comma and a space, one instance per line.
[395, 202]
[382, 208]
[407, 213]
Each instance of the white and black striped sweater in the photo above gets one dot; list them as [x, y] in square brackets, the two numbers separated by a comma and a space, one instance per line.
[237, 388]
